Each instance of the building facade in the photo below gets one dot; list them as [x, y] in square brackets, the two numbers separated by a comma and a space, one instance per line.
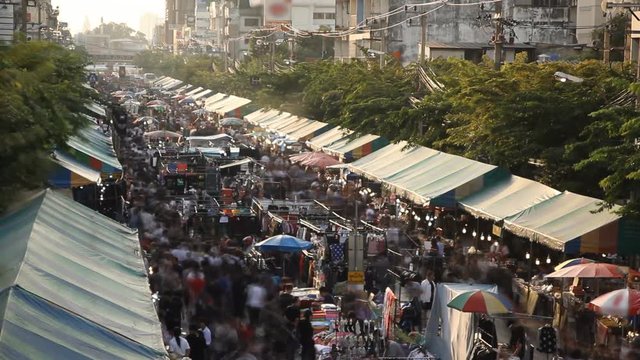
[231, 22]
[525, 23]
[180, 17]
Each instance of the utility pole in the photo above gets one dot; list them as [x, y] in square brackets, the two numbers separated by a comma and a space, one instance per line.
[498, 37]
[272, 57]
[423, 40]
[607, 44]
[383, 42]
[226, 52]
[627, 41]
[39, 19]
[25, 16]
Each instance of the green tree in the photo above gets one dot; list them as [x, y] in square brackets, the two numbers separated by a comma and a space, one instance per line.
[41, 83]
[118, 31]
[612, 143]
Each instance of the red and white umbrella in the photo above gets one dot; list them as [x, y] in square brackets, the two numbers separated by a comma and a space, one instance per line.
[593, 270]
[623, 302]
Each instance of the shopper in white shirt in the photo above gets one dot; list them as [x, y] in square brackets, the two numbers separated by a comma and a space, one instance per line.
[428, 287]
[178, 345]
[256, 299]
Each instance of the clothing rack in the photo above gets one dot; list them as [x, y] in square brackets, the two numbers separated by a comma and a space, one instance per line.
[340, 225]
[310, 226]
[372, 227]
[275, 217]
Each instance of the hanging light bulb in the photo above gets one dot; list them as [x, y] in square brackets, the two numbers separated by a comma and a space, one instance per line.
[464, 230]
[537, 261]
[489, 237]
[527, 256]
[548, 260]
[430, 223]
[604, 255]
[474, 233]
[482, 237]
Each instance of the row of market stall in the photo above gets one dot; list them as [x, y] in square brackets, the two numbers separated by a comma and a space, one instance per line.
[224, 105]
[73, 284]
[562, 221]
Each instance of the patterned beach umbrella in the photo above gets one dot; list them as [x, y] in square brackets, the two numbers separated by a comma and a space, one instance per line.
[482, 302]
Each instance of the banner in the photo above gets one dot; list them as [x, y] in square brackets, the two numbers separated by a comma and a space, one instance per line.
[277, 12]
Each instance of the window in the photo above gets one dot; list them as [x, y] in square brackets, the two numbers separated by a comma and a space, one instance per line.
[323, 16]
[251, 22]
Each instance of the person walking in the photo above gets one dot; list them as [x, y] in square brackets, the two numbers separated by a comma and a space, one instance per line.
[427, 295]
[305, 336]
[178, 345]
[197, 343]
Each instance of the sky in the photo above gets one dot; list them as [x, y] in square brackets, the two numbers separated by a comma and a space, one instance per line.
[127, 11]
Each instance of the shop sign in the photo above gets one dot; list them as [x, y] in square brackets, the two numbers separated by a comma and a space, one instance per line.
[356, 277]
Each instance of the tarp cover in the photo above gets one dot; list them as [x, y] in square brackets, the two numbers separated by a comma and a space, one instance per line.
[327, 138]
[264, 116]
[82, 261]
[310, 130]
[390, 160]
[91, 142]
[194, 91]
[71, 173]
[34, 328]
[96, 109]
[567, 222]
[348, 148]
[423, 175]
[507, 197]
[455, 327]
[201, 94]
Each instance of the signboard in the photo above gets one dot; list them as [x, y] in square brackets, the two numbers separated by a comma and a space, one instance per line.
[356, 277]
[277, 12]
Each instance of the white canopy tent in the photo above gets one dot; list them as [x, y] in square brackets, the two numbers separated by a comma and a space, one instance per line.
[455, 341]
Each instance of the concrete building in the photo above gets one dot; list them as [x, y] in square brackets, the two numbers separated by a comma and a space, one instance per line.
[104, 50]
[463, 29]
[180, 18]
[231, 22]
[148, 23]
[202, 32]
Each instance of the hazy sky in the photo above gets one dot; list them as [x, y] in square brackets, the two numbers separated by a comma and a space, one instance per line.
[127, 11]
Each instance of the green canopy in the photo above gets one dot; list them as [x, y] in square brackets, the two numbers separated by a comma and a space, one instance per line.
[390, 160]
[568, 222]
[34, 328]
[309, 130]
[92, 147]
[506, 197]
[327, 138]
[82, 261]
[425, 175]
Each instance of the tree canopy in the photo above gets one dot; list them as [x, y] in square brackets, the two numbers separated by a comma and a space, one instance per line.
[520, 117]
[118, 31]
[43, 95]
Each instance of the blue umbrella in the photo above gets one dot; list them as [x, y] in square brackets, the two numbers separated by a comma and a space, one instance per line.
[284, 243]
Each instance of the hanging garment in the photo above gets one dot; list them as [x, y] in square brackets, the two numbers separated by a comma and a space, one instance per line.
[337, 252]
[547, 339]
